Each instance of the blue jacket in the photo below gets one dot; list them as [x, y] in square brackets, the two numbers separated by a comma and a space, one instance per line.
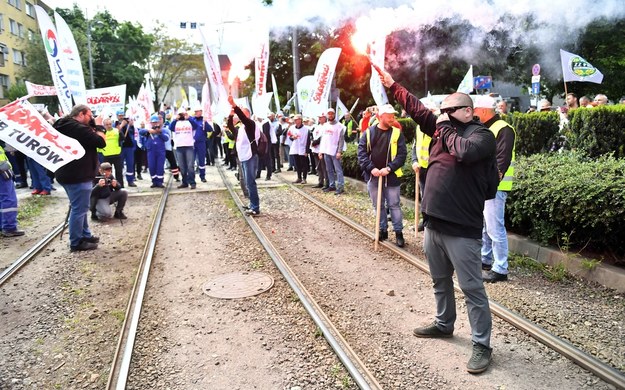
[154, 142]
[201, 129]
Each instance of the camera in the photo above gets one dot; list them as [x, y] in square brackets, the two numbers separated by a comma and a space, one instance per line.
[107, 180]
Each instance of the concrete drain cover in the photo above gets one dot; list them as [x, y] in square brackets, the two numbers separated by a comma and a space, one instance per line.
[238, 285]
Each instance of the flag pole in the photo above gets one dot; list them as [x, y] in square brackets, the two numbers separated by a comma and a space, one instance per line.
[565, 90]
[377, 215]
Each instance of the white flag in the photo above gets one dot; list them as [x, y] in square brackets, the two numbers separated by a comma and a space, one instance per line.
[218, 90]
[305, 86]
[575, 68]
[109, 99]
[260, 104]
[192, 96]
[377, 49]
[145, 103]
[57, 66]
[466, 85]
[324, 73]
[207, 113]
[71, 58]
[276, 99]
[26, 130]
[39, 90]
[261, 63]
[341, 109]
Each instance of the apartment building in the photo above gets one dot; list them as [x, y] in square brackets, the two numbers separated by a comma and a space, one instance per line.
[18, 28]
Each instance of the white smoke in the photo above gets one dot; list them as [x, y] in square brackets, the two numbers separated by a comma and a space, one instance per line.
[555, 23]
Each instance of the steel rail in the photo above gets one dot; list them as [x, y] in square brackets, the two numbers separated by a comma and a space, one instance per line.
[563, 347]
[120, 366]
[26, 257]
[355, 367]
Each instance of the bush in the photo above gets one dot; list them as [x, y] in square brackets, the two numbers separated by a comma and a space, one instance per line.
[556, 194]
[598, 131]
[534, 131]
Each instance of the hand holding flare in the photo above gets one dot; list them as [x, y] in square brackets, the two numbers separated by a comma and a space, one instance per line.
[385, 77]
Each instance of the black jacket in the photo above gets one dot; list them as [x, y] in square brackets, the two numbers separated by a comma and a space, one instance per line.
[462, 170]
[379, 156]
[85, 168]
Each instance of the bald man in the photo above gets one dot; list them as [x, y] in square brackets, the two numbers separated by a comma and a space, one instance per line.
[462, 174]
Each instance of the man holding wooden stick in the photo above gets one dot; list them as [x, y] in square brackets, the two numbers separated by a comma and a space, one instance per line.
[381, 154]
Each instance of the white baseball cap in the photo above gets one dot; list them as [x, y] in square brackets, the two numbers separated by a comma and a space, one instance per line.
[386, 109]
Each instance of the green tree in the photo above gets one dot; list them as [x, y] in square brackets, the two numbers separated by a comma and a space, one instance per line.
[173, 61]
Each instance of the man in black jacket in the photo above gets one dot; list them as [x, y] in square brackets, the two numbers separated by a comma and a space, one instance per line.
[381, 154]
[462, 175]
[77, 176]
[107, 191]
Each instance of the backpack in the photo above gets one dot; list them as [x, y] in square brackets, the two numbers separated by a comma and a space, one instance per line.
[262, 144]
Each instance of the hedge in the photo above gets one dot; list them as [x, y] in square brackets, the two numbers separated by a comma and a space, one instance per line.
[567, 195]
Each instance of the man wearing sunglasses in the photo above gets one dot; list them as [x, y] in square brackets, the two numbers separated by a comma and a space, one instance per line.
[462, 174]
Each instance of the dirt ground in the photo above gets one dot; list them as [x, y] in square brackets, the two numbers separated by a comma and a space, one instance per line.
[61, 316]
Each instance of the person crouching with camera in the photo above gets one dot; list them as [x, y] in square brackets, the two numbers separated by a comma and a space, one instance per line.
[107, 191]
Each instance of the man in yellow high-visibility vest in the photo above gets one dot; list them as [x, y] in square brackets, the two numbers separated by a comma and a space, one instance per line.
[494, 235]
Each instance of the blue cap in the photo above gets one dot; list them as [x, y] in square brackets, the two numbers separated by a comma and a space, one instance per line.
[120, 112]
[154, 118]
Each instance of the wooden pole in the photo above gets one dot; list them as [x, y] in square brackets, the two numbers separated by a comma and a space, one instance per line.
[417, 213]
[377, 215]
[565, 90]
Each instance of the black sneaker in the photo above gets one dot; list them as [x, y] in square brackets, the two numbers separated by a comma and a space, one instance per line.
[192, 186]
[120, 215]
[203, 180]
[432, 331]
[399, 239]
[94, 216]
[92, 239]
[420, 227]
[329, 189]
[183, 186]
[480, 359]
[83, 246]
[486, 267]
[494, 277]
[383, 235]
[132, 185]
[251, 212]
[13, 233]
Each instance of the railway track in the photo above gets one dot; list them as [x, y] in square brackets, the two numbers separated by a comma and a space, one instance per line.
[357, 366]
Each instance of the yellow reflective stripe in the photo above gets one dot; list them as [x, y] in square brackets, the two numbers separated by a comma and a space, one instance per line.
[392, 146]
[508, 178]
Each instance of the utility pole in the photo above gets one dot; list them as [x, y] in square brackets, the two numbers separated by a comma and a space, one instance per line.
[296, 70]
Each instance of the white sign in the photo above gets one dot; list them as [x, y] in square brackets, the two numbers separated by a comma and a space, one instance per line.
[108, 99]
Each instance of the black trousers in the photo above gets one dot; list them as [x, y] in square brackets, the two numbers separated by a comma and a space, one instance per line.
[118, 166]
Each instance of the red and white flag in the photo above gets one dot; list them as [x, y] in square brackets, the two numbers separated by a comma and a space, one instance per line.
[207, 113]
[53, 49]
[22, 127]
[324, 73]
[377, 50]
[39, 90]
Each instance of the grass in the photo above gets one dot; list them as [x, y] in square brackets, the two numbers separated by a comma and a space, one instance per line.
[29, 209]
[557, 273]
[257, 264]
[119, 315]
[590, 264]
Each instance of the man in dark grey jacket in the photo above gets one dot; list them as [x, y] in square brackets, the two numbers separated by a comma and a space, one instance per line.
[462, 174]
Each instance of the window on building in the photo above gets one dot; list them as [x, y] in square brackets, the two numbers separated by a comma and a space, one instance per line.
[17, 57]
[18, 4]
[13, 26]
[31, 35]
[30, 10]
[1, 22]
[20, 30]
[12, 2]
[4, 80]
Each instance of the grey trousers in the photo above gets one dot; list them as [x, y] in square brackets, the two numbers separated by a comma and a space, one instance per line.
[446, 253]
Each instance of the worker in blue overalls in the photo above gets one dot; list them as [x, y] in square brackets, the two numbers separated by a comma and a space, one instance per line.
[155, 141]
[201, 129]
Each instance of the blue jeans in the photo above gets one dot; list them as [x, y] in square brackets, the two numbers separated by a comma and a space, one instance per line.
[391, 195]
[79, 195]
[128, 156]
[494, 235]
[249, 171]
[186, 160]
[335, 171]
[39, 176]
[200, 158]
